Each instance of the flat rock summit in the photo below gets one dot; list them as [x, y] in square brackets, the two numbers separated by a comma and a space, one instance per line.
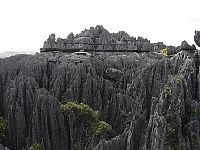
[147, 99]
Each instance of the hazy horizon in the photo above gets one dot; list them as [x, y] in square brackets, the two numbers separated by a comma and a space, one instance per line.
[25, 25]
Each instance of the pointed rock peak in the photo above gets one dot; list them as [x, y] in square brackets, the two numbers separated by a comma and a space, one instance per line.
[52, 36]
[70, 36]
[100, 28]
[186, 46]
[197, 38]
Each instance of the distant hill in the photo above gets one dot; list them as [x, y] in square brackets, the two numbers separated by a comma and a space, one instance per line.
[12, 53]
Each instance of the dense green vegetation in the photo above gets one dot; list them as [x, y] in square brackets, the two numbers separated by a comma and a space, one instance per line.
[102, 128]
[82, 112]
[87, 126]
[35, 147]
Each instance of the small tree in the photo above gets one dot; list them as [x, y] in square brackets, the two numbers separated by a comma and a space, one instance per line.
[87, 124]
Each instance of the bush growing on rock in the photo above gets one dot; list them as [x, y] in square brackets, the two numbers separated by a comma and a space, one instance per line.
[171, 135]
[102, 128]
[35, 146]
[82, 112]
[167, 89]
[164, 51]
[87, 126]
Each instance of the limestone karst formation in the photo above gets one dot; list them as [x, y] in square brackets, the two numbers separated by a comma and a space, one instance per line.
[150, 99]
[99, 38]
[197, 38]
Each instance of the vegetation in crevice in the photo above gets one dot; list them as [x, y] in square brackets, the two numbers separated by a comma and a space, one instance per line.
[172, 79]
[164, 51]
[35, 146]
[3, 129]
[167, 89]
[86, 127]
[176, 78]
[171, 132]
[178, 81]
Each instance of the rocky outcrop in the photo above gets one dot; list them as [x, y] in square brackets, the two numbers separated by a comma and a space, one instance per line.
[186, 46]
[33, 116]
[116, 143]
[168, 119]
[46, 123]
[3, 148]
[33, 86]
[197, 38]
[150, 100]
[51, 42]
[99, 38]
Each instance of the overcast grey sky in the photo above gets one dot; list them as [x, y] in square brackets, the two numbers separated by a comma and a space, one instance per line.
[25, 24]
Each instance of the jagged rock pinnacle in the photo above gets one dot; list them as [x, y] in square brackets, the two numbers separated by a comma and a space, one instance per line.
[197, 38]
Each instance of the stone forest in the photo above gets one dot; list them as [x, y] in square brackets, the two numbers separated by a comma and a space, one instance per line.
[101, 91]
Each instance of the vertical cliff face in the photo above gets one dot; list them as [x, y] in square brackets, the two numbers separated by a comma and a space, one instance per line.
[150, 101]
[32, 113]
[197, 38]
[165, 106]
[32, 87]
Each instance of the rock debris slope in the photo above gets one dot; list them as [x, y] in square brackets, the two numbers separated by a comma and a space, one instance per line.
[151, 100]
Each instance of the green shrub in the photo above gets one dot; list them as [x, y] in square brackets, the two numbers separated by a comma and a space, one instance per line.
[35, 147]
[82, 111]
[178, 81]
[86, 124]
[102, 128]
[2, 129]
[167, 89]
[164, 51]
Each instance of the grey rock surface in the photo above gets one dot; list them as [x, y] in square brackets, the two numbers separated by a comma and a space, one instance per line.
[186, 46]
[98, 38]
[197, 38]
[3, 148]
[150, 100]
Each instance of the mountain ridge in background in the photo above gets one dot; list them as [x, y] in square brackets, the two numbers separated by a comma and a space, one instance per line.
[12, 53]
